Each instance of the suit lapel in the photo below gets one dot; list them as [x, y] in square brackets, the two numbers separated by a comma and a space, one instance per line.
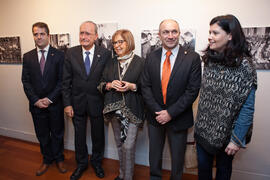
[157, 70]
[115, 69]
[36, 60]
[157, 64]
[79, 58]
[178, 62]
[96, 58]
[48, 62]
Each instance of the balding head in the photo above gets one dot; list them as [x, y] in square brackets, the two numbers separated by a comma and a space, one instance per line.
[168, 21]
[169, 33]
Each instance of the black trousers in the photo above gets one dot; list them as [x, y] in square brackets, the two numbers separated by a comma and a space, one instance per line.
[177, 143]
[49, 128]
[97, 137]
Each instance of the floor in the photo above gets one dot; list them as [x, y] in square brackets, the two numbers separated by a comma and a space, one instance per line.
[19, 160]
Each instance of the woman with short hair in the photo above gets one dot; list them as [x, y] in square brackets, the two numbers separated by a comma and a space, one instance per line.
[123, 104]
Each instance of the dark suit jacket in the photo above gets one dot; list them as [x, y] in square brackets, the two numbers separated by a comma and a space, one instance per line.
[182, 90]
[79, 90]
[49, 85]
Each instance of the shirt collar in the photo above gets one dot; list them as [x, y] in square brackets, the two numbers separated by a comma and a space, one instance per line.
[174, 51]
[92, 50]
[46, 49]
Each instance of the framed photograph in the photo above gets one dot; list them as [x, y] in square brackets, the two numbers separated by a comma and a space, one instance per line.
[105, 32]
[60, 41]
[259, 39]
[10, 50]
[188, 39]
[150, 40]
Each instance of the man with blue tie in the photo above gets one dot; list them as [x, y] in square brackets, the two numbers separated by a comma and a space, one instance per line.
[82, 71]
[42, 81]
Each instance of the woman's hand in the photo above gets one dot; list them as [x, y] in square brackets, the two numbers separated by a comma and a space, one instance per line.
[232, 149]
[116, 84]
[108, 86]
[69, 111]
[123, 86]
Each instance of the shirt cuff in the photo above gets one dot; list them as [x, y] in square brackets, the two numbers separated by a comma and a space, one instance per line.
[50, 100]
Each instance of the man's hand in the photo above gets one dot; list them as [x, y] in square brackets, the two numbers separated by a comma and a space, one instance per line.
[46, 101]
[232, 149]
[163, 117]
[40, 104]
[69, 111]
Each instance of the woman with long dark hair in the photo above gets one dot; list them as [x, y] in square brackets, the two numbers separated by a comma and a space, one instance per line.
[227, 98]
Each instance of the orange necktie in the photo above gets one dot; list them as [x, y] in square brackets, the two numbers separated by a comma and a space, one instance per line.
[166, 72]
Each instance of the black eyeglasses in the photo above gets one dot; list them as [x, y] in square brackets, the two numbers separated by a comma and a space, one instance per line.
[118, 42]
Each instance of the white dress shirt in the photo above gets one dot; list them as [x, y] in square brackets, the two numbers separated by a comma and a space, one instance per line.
[91, 55]
[46, 50]
[172, 58]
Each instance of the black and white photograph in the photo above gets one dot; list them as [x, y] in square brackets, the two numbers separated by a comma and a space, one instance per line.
[150, 40]
[105, 32]
[10, 50]
[259, 39]
[188, 39]
[60, 41]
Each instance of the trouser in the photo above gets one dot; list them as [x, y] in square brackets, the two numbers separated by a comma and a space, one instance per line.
[177, 143]
[49, 128]
[97, 137]
[205, 164]
[126, 149]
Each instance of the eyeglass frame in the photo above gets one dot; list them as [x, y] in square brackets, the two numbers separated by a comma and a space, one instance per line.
[114, 43]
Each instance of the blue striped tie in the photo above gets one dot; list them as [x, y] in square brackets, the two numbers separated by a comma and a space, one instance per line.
[87, 62]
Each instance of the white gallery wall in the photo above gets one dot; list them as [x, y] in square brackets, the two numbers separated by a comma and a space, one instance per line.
[65, 16]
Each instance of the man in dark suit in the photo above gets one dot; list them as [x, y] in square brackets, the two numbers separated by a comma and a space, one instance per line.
[42, 80]
[170, 84]
[83, 68]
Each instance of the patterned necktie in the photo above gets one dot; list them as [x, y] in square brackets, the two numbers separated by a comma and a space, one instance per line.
[166, 72]
[42, 61]
[87, 62]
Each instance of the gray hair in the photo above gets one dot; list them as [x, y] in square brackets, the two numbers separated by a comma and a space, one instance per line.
[91, 22]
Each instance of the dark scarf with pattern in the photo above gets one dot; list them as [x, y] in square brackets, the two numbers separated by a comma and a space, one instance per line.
[223, 92]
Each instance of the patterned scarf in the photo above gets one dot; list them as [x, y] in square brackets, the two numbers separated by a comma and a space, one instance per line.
[123, 66]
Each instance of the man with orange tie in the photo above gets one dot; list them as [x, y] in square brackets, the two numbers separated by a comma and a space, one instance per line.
[170, 84]
[42, 83]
